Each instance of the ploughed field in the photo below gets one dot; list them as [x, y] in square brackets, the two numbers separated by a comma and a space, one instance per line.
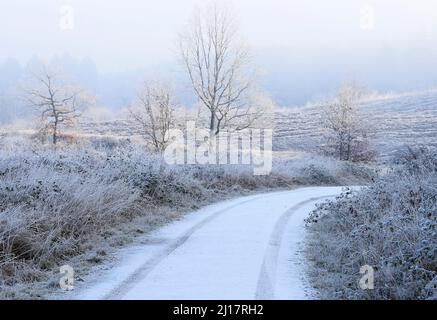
[396, 121]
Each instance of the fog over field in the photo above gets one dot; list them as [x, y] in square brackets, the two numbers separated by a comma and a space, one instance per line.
[303, 50]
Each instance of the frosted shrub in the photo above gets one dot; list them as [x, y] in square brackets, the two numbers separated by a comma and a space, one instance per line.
[320, 170]
[390, 226]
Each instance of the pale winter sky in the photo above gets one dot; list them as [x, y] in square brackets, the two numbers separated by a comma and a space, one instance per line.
[308, 39]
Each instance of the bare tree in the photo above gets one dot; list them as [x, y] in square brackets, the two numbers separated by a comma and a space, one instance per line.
[347, 129]
[217, 66]
[57, 101]
[154, 112]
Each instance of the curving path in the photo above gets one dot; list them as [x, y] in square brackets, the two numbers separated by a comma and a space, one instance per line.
[246, 248]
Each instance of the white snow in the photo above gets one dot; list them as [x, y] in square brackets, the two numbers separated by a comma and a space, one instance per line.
[247, 248]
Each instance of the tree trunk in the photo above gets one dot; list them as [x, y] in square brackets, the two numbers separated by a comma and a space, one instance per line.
[341, 148]
[212, 128]
[55, 132]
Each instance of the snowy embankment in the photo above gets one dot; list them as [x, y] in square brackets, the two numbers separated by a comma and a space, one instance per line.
[390, 225]
[247, 248]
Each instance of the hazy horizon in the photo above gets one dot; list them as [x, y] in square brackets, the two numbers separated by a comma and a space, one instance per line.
[304, 50]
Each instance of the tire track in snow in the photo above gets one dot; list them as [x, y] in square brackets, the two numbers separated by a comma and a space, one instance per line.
[146, 268]
[267, 277]
[238, 250]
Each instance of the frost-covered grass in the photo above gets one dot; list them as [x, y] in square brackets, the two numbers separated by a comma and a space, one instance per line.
[63, 203]
[310, 169]
[390, 225]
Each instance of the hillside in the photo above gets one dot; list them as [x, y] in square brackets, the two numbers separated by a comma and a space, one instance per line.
[397, 120]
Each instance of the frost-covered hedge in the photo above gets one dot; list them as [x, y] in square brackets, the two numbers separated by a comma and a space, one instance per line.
[311, 169]
[391, 226]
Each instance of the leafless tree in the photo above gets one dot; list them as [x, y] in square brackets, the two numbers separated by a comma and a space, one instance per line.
[347, 129]
[154, 112]
[217, 64]
[57, 101]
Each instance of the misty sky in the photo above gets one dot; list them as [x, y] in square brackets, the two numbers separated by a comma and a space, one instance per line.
[304, 48]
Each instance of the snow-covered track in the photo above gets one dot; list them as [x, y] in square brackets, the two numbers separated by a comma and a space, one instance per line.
[246, 248]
